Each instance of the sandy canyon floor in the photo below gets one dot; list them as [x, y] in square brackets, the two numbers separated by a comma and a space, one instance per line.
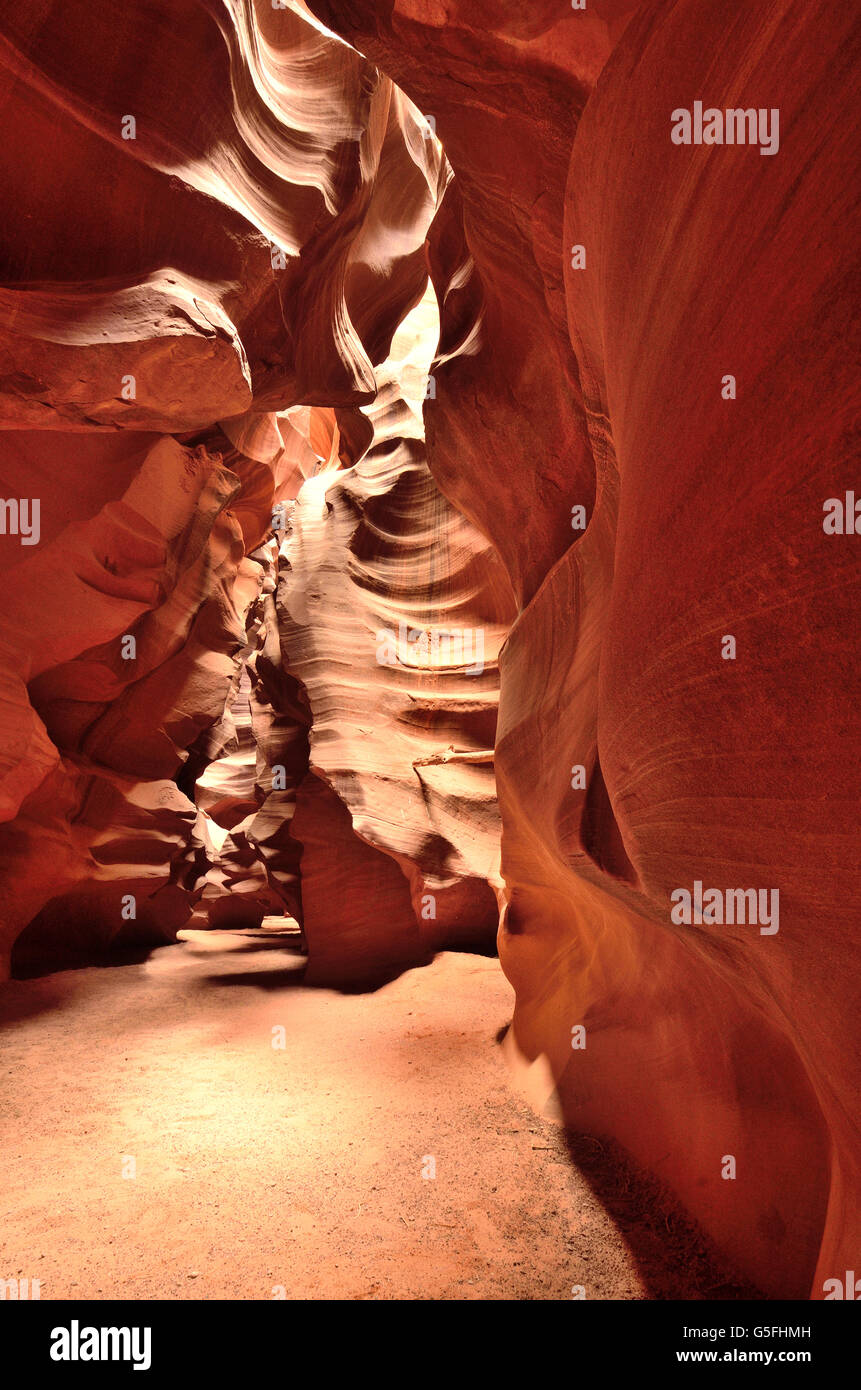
[263, 1171]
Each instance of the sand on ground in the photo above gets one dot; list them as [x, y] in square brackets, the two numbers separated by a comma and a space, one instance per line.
[159, 1142]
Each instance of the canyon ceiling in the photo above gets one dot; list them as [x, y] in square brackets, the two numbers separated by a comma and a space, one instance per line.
[380, 519]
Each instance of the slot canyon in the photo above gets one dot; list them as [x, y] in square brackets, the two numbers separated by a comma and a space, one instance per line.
[429, 805]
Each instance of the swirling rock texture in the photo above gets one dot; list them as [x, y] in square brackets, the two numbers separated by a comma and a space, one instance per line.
[202, 283]
[392, 610]
[601, 385]
[215, 339]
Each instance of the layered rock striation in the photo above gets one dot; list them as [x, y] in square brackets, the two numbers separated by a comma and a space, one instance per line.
[201, 286]
[599, 285]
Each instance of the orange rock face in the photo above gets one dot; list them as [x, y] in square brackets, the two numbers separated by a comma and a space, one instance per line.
[290, 530]
[638, 753]
[202, 288]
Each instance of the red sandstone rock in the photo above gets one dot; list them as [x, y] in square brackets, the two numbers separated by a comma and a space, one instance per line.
[705, 518]
[248, 259]
[237, 282]
[378, 563]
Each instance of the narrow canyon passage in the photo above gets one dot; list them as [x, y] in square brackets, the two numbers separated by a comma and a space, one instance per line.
[429, 672]
[264, 1171]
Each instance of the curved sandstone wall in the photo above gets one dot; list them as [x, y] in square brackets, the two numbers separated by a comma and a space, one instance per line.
[637, 754]
[216, 232]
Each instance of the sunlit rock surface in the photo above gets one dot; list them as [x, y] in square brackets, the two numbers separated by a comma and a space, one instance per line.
[392, 609]
[200, 283]
[602, 386]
